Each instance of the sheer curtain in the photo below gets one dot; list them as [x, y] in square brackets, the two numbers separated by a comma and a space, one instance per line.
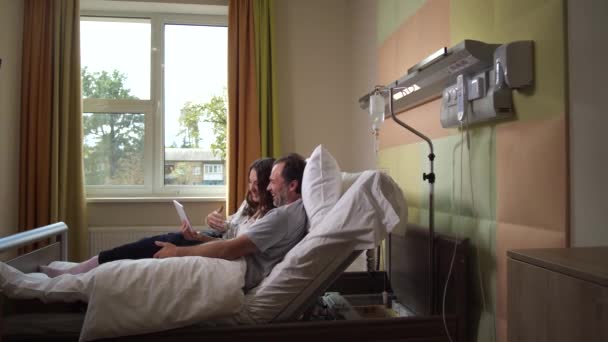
[51, 179]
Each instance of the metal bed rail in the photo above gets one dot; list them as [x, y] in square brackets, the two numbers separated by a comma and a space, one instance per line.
[24, 238]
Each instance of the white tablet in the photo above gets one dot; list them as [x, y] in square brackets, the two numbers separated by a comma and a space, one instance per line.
[182, 214]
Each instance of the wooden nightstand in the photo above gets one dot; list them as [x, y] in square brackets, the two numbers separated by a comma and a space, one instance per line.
[558, 294]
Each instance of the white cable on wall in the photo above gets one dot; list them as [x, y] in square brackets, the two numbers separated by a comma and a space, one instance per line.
[479, 273]
[447, 280]
[478, 263]
[464, 128]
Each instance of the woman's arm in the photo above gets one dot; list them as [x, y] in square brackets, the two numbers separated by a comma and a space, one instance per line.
[190, 234]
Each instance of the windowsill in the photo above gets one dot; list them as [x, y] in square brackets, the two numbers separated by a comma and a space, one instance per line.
[153, 199]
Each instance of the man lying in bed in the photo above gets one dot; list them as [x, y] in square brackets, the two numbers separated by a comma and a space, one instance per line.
[265, 243]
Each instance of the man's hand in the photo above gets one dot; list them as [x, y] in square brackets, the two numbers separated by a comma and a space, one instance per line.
[168, 250]
[188, 233]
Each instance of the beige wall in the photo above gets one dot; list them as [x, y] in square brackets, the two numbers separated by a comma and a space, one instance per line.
[317, 70]
[144, 214]
[587, 31]
[364, 56]
[11, 23]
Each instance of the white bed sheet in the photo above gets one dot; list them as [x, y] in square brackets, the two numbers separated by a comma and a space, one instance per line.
[139, 296]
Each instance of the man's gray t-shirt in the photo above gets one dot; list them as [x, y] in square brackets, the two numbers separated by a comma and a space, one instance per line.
[274, 235]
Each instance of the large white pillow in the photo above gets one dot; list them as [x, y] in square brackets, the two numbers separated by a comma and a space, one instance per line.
[371, 208]
[321, 185]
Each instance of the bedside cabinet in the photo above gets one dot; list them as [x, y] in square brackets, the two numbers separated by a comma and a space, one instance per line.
[558, 294]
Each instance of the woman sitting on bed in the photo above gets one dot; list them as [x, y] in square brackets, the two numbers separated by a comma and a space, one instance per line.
[257, 203]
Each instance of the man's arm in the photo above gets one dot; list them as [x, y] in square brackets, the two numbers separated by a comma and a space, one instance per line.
[222, 249]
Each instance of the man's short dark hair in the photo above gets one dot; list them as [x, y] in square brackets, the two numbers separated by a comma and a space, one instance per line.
[293, 169]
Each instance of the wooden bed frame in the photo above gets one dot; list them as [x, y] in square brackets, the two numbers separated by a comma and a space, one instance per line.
[22, 320]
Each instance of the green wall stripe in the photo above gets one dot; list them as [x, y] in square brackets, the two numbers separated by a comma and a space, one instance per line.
[391, 14]
[471, 215]
[474, 216]
[503, 21]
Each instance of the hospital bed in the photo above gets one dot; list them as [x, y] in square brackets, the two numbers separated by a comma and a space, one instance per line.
[300, 319]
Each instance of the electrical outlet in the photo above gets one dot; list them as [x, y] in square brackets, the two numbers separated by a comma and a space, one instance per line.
[484, 102]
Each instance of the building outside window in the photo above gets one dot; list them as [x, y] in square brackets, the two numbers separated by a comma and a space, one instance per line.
[154, 103]
[183, 166]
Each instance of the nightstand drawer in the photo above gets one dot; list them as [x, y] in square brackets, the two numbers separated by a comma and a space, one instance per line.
[551, 301]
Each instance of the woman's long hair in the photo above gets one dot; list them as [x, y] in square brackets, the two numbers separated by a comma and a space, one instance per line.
[262, 167]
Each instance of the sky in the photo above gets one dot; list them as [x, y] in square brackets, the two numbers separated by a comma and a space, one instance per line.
[195, 63]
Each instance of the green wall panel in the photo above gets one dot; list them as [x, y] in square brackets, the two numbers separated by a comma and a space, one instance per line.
[402, 164]
[465, 211]
[502, 21]
[465, 192]
[465, 183]
[391, 14]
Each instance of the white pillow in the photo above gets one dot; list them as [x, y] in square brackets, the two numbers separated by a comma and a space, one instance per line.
[321, 185]
[371, 208]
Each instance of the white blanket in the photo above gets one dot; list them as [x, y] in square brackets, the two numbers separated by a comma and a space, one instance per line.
[139, 296]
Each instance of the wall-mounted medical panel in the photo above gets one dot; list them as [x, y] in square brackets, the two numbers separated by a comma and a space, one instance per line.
[474, 79]
[427, 79]
[487, 96]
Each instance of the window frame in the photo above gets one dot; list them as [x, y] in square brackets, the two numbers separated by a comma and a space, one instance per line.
[154, 113]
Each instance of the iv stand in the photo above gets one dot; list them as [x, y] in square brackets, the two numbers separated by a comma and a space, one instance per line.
[431, 179]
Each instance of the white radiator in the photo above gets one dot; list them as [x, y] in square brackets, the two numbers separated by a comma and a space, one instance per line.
[102, 238]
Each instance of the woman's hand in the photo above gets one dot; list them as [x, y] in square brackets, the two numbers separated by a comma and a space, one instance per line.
[216, 220]
[188, 233]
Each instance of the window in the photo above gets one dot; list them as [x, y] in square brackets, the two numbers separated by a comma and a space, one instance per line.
[215, 169]
[154, 104]
[214, 174]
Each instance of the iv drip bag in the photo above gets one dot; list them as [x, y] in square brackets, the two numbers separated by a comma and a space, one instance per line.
[376, 110]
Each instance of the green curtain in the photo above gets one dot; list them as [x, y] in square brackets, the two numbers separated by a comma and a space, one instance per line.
[266, 78]
[68, 201]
